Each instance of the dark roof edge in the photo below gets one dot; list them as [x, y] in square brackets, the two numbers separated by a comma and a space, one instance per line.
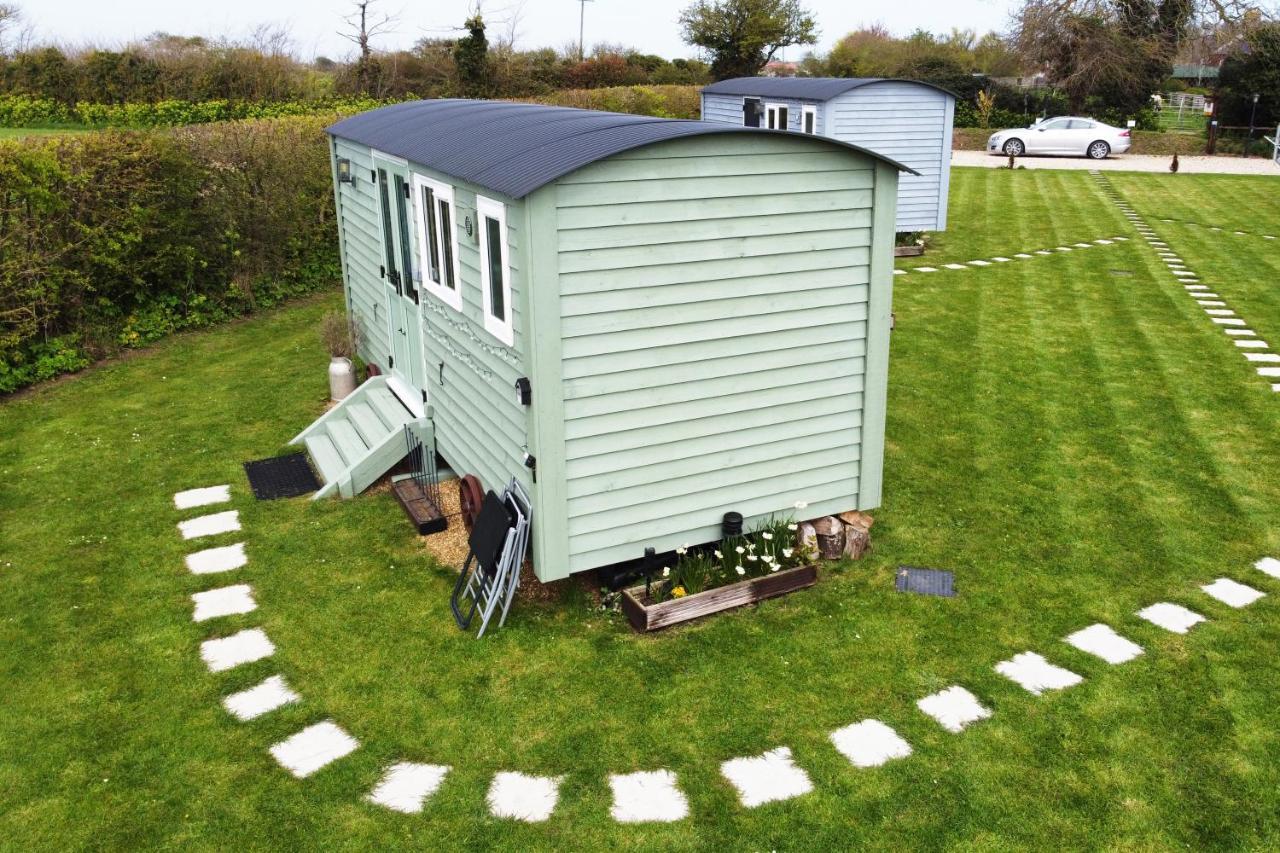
[854, 83]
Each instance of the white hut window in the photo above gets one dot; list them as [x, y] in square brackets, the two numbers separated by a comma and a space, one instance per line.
[495, 269]
[809, 119]
[437, 241]
[776, 117]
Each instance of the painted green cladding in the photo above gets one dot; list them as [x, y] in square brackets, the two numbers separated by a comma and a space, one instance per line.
[713, 297]
[703, 320]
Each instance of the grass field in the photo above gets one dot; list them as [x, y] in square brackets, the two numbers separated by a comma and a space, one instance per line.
[1067, 433]
[24, 132]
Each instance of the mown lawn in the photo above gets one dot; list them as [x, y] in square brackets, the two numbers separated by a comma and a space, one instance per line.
[1067, 433]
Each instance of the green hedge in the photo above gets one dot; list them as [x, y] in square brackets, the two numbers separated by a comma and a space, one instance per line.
[116, 239]
[24, 111]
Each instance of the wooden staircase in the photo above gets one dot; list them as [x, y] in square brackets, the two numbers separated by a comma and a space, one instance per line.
[358, 440]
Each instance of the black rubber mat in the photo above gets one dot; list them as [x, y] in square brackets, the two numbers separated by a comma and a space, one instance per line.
[926, 581]
[281, 477]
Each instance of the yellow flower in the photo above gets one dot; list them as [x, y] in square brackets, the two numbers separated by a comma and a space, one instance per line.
[678, 592]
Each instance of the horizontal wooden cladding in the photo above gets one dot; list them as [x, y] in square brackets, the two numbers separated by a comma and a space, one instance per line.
[788, 242]
[649, 465]
[722, 269]
[663, 212]
[644, 501]
[721, 328]
[682, 168]
[640, 401]
[582, 304]
[770, 356]
[813, 418]
[699, 189]
[674, 353]
[713, 409]
[634, 531]
[675, 316]
[778, 222]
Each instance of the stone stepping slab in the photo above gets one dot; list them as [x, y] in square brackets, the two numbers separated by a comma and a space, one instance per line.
[261, 699]
[1102, 641]
[1251, 343]
[406, 786]
[1232, 593]
[1171, 617]
[649, 795]
[214, 560]
[954, 708]
[1269, 371]
[192, 498]
[1035, 674]
[870, 743]
[1269, 566]
[243, 647]
[1263, 357]
[224, 601]
[516, 796]
[313, 748]
[766, 778]
[1246, 332]
[210, 525]
[1227, 321]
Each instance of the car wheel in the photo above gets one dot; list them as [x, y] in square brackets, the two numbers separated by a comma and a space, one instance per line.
[1099, 150]
[1015, 148]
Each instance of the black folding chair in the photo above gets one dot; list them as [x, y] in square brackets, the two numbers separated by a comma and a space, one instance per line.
[481, 581]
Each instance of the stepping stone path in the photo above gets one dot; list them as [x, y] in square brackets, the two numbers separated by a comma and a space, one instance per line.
[520, 797]
[766, 778]
[313, 748]
[1171, 617]
[1269, 566]
[1000, 259]
[954, 708]
[406, 786]
[202, 497]
[870, 743]
[210, 525]
[650, 795]
[1035, 674]
[1102, 641]
[262, 699]
[1232, 593]
[246, 646]
[226, 601]
[214, 560]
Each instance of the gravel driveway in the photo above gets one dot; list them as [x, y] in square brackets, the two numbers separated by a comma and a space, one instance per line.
[1128, 163]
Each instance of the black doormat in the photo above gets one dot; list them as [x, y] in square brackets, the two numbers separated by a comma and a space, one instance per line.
[281, 477]
[926, 581]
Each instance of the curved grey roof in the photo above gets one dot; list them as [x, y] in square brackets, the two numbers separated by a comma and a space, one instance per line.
[516, 148]
[813, 88]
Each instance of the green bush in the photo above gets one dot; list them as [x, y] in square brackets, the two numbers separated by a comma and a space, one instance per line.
[662, 101]
[26, 111]
[119, 238]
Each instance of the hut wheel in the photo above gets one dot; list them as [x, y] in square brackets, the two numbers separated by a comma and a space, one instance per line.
[470, 497]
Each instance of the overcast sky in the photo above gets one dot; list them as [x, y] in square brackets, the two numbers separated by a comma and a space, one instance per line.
[649, 25]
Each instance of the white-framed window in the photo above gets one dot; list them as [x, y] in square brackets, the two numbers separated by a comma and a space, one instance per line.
[437, 241]
[776, 117]
[495, 269]
[809, 119]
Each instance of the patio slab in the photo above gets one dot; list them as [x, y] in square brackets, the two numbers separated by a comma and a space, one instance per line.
[766, 778]
[406, 786]
[954, 708]
[1102, 641]
[870, 743]
[313, 748]
[649, 795]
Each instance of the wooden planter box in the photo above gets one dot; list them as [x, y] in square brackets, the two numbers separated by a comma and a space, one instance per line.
[907, 251]
[651, 617]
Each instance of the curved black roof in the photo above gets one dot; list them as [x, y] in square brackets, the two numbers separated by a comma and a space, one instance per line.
[813, 88]
[516, 148]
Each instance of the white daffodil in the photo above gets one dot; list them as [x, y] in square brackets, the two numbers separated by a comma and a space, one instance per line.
[773, 568]
[793, 527]
[740, 570]
[740, 550]
[682, 550]
[719, 556]
[666, 571]
[802, 505]
[786, 553]
[766, 535]
[752, 557]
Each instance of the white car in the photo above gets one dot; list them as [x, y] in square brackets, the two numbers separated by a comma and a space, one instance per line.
[1070, 135]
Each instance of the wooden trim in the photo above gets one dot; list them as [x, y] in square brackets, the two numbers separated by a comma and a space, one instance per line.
[652, 617]
[501, 328]
[441, 193]
[876, 384]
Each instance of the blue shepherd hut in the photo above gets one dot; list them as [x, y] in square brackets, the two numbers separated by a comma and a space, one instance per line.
[902, 119]
[648, 322]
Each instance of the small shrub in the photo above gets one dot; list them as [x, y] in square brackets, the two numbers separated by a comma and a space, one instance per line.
[337, 335]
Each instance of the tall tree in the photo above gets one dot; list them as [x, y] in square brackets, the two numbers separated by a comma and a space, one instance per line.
[471, 56]
[363, 25]
[744, 35]
[1254, 68]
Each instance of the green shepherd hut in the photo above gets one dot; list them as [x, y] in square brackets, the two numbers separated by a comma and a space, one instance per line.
[648, 322]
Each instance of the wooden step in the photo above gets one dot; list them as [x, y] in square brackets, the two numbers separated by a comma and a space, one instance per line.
[389, 408]
[348, 441]
[367, 423]
[327, 458]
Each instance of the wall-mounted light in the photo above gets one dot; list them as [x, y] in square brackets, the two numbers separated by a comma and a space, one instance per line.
[344, 171]
[524, 391]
